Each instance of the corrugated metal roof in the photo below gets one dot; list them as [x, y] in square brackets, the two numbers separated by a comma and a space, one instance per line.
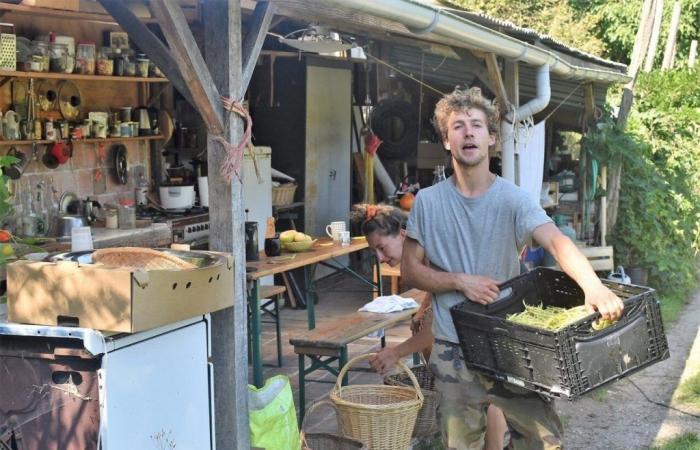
[525, 34]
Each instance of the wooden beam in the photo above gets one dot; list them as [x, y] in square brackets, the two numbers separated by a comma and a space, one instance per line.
[149, 43]
[655, 35]
[190, 62]
[222, 41]
[588, 104]
[262, 16]
[497, 81]
[475, 66]
[669, 51]
[512, 82]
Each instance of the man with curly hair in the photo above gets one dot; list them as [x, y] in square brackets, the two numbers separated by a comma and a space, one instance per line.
[463, 239]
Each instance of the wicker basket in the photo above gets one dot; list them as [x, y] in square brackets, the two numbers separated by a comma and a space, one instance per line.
[139, 258]
[426, 422]
[383, 417]
[283, 194]
[327, 441]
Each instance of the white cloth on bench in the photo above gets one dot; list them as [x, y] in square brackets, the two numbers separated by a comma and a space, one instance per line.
[389, 304]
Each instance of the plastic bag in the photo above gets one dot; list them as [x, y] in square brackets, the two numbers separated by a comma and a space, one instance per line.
[273, 417]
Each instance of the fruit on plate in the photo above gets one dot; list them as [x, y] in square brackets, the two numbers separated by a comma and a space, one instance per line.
[301, 237]
[287, 236]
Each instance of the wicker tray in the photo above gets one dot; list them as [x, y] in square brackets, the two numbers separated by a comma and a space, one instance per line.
[139, 258]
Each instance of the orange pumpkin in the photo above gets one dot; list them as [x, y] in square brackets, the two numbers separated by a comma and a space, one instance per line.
[406, 201]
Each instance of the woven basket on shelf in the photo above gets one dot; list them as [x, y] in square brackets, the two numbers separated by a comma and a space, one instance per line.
[326, 441]
[426, 422]
[139, 258]
[283, 194]
[381, 416]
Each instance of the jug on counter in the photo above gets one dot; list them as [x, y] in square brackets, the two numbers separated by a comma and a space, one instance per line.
[251, 241]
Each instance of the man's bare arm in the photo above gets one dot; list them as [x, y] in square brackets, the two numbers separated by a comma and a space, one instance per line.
[416, 272]
[576, 265]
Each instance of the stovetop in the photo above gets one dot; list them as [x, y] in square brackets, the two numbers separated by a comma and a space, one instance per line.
[174, 217]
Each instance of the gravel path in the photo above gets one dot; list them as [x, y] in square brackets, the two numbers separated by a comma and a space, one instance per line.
[619, 417]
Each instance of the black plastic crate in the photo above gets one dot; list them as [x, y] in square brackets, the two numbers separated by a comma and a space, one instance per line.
[571, 361]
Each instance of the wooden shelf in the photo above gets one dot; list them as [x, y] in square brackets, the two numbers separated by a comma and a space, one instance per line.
[85, 141]
[75, 76]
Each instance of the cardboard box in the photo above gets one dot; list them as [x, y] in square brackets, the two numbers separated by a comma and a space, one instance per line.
[117, 300]
[68, 5]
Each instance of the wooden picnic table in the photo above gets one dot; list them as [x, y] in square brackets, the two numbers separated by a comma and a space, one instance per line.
[323, 251]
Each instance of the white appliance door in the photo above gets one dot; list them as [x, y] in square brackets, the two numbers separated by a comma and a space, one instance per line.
[257, 192]
[155, 393]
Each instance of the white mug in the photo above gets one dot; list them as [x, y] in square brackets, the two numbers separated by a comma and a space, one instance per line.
[334, 229]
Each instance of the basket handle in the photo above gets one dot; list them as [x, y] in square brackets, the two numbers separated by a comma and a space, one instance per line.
[312, 408]
[403, 367]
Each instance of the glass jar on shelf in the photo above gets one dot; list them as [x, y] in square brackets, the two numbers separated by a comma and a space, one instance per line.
[129, 63]
[85, 58]
[142, 65]
[39, 61]
[58, 57]
[105, 63]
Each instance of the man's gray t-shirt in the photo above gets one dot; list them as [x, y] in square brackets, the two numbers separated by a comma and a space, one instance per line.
[476, 236]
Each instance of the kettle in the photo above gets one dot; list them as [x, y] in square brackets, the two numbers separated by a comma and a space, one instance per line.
[251, 241]
[143, 118]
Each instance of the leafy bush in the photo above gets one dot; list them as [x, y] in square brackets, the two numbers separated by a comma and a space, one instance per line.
[658, 225]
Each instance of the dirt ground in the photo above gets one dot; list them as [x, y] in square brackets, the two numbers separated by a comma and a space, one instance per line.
[619, 417]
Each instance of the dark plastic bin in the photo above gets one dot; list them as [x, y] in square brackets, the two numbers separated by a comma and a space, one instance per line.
[566, 363]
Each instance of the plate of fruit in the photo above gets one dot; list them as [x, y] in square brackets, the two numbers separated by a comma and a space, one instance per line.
[295, 241]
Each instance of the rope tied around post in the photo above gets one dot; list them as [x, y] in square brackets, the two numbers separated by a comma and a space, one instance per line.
[234, 153]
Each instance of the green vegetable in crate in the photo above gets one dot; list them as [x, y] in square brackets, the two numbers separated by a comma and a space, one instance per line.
[553, 318]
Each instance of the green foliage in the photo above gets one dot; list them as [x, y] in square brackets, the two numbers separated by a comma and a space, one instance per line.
[689, 441]
[658, 224]
[556, 18]
[5, 205]
[599, 27]
[689, 391]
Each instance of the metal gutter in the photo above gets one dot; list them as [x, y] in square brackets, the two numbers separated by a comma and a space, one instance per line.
[421, 18]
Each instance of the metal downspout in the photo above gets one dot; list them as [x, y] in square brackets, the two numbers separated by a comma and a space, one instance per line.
[508, 124]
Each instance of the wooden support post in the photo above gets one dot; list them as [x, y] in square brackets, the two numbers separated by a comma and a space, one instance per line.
[693, 53]
[222, 34]
[190, 62]
[496, 81]
[655, 35]
[262, 16]
[149, 43]
[669, 51]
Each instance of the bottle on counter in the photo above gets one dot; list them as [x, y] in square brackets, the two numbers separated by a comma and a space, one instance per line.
[142, 191]
[127, 214]
[111, 218]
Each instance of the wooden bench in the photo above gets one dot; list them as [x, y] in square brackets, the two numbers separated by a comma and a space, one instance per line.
[329, 343]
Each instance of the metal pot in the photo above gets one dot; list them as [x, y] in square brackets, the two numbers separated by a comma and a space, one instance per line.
[63, 225]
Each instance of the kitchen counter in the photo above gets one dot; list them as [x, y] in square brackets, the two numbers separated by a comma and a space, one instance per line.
[154, 235]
